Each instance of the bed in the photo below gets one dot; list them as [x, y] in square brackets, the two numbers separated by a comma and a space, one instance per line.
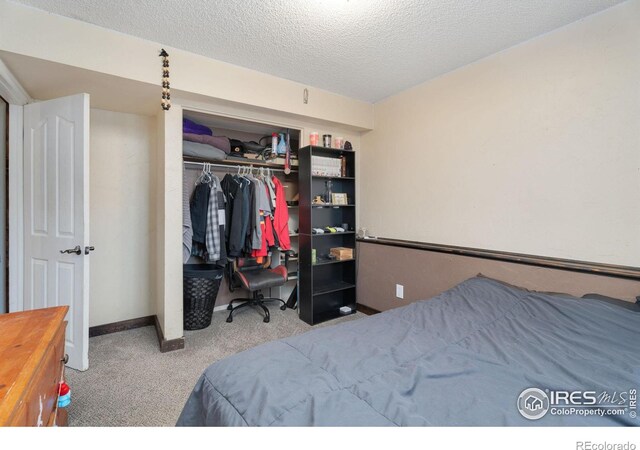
[461, 358]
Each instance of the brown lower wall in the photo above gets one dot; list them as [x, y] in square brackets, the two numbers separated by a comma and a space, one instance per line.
[425, 274]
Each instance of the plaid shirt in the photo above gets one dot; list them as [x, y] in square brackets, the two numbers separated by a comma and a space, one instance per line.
[212, 238]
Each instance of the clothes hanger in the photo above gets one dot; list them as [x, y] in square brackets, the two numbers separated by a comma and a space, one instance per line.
[243, 174]
[201, 178]
[209, 174]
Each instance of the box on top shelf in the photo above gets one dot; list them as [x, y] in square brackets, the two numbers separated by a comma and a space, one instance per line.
[325, 166]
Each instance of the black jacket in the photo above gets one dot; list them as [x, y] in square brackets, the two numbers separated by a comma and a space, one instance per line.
[233, 215]
[199, 204]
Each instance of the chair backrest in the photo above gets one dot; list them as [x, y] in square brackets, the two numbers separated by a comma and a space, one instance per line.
[245, 264]
[242, 264]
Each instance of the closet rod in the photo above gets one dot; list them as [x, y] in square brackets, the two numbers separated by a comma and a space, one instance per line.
[236, 166]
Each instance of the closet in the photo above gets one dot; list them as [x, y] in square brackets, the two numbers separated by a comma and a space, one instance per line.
[248, 131]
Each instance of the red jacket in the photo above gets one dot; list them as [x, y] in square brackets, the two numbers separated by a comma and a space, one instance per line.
[268, 240]
[281, 217]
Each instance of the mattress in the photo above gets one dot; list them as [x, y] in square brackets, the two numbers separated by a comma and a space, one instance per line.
[469, 357]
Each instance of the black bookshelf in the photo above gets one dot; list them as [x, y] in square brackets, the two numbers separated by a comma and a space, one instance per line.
[328, 284]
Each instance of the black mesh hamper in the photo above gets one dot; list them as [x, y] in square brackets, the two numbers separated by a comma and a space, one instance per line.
[201, 283]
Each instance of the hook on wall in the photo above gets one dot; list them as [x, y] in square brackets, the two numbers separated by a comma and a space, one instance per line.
[305, 96]
[166, 87]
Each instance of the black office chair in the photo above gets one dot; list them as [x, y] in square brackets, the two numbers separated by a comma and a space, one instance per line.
[255, 274]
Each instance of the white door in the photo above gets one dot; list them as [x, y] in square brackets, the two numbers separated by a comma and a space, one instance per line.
[56, 215]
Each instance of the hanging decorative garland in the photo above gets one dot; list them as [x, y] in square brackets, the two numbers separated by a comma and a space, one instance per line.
[166, 89]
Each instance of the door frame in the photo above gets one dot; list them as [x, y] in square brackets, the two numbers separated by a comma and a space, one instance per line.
[5, 166]
[13, 93]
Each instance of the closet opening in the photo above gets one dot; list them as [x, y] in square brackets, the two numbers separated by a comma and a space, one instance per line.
[248, 152]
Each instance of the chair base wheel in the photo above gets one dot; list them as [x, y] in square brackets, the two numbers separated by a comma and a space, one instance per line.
[283, 307]
[229, 319]
[266, 320]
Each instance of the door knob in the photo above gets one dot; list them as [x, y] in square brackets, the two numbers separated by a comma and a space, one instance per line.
[89, 249]
[77, 250]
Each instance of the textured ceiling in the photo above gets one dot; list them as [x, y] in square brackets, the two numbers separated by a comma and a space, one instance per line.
[365, 49]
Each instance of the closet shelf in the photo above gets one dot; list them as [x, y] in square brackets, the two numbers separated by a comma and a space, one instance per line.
[332, 286]
[336, 151]
[324, 316]
[331, 205]
[332, 178]
[332, 234]
[333, 261]
[239, 162]
[290, 259]
[292, 276]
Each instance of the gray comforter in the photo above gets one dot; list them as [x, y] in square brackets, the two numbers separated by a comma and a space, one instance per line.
[461, 358]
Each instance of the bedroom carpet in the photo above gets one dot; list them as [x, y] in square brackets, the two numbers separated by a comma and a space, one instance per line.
[130, 383]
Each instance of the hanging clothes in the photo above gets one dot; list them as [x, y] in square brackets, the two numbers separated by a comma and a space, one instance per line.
[262, 250]
[271, 188]
[222, 260]
[228, 184]
[256, 231]
[187, 230]
[234, 189]
[213, 227]
[281, 217]
[198, 206]
[213, 213]
[262, 209]
[248, 206]
[272, 192]
[246, 215]
[254, 217]
[267, 239]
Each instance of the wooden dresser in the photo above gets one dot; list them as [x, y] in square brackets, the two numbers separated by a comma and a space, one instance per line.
[31, 363]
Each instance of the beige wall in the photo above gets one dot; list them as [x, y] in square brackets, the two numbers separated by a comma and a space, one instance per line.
[122, 178]
[425, 274]
[87, 46]
[533, 150]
